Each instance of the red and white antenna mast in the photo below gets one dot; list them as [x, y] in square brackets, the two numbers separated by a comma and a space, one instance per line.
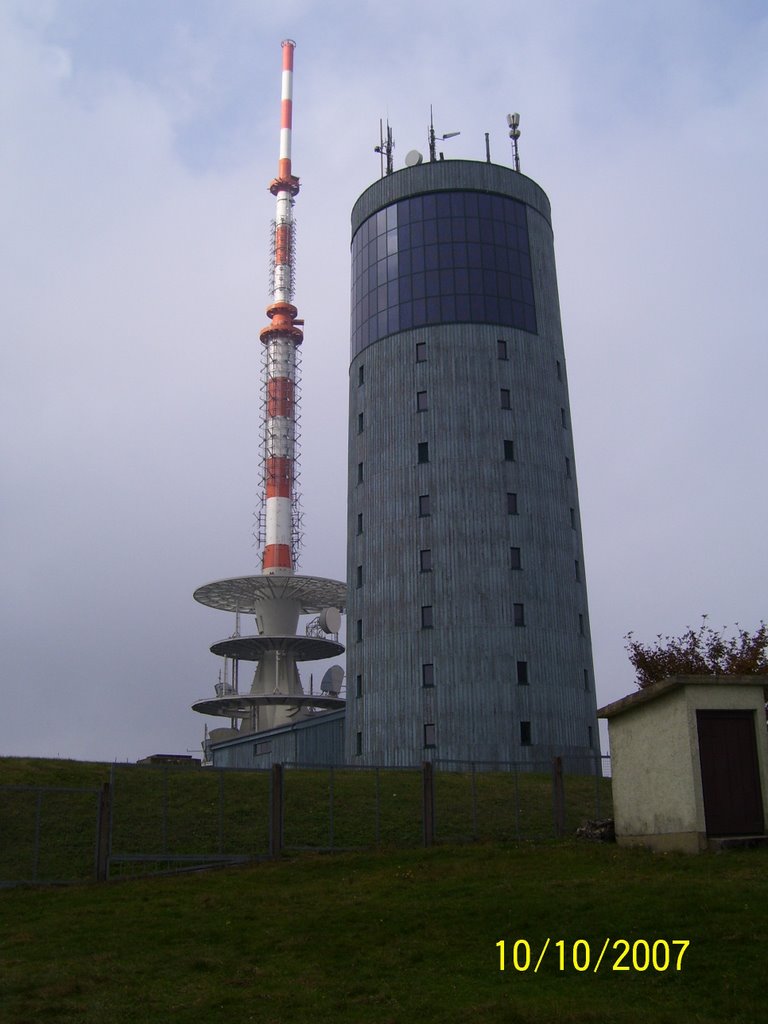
[281, 339]
[277, 598]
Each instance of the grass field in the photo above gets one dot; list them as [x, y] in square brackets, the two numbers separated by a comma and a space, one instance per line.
[397, 936]
[393, 938]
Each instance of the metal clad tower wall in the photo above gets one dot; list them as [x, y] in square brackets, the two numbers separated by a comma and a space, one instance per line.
[468, 627]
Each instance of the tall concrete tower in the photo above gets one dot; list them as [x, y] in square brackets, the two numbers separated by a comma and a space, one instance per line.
[468, 629]
[277, 598]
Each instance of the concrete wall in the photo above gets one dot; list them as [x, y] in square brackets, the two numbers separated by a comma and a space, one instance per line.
[655, 780]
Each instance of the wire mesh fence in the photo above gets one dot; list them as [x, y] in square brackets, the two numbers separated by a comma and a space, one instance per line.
[165, 818]
[510, 802]
[154, 819]
[346, 807]
[49, 835]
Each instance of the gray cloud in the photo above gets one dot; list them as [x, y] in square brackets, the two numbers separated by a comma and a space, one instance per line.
[136, 216]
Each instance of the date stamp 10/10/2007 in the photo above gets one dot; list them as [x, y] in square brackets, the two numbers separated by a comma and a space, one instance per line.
[615, 955]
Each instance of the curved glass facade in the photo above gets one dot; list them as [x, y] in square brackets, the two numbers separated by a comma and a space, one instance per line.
[443, 257]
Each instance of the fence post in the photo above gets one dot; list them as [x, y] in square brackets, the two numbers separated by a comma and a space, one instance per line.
[330, 805]
[428, 802]
[276, 812]
[36, 851]
[378, 808]
[558, 797]
[103, 817]
[598, 778]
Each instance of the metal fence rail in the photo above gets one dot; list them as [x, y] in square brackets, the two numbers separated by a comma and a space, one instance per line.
[49, 835]
[159, 819]
[161, 816]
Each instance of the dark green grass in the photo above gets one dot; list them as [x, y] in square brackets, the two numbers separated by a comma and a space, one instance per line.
[392, 938]
[63, 816]
[158, 813]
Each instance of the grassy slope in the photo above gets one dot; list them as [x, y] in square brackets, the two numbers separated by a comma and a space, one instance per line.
[390, 937]
[398, 936]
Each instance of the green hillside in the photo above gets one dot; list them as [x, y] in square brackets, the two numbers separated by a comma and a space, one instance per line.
[397, 936]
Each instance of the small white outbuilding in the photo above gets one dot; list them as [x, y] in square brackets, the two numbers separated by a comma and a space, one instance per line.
[689, 761]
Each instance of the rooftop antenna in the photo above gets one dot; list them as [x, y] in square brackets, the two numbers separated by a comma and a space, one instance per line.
[513, 120]
[433, 138]
[384, 149]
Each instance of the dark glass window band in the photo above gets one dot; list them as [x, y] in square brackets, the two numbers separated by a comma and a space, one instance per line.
[446, 257]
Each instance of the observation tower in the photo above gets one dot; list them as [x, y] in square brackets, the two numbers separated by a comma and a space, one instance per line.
[470, 635]
[277, 598]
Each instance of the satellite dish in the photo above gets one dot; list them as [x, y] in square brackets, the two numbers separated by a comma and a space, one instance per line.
[332, 680]
[330, 620]
[413, 158]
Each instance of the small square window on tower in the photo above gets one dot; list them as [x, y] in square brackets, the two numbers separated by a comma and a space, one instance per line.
[511, 504]
[515, 560]
[427, 620]
[522, 673]
[568, 467]
[359, 523]
[429, 734]
[525, 734]
[421, 351]
[359, 472]
[359, 423]
[505, 399]
[360, 375]
[358, 685]
[519, 614]
[423, 451]
[359, 630]
[563, 419]
[421, 401]
[428, 674]
[359, 576]
[359, 744]
[425, 559]
[509, 451]
[501, 349]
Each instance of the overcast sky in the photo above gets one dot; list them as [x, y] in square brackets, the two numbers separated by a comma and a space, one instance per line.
[138, 140]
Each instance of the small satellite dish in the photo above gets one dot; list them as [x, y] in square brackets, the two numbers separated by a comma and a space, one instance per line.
[330, 620]
[413, 158]
[332, 680]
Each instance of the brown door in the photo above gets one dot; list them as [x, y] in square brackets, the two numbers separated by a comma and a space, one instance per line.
[730, 774]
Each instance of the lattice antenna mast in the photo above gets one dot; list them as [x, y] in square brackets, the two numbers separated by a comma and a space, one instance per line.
[384, 149]
[281, 339]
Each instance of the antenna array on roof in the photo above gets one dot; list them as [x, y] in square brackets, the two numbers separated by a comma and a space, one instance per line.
[436, 138]
[513, 120]
[384, 149]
